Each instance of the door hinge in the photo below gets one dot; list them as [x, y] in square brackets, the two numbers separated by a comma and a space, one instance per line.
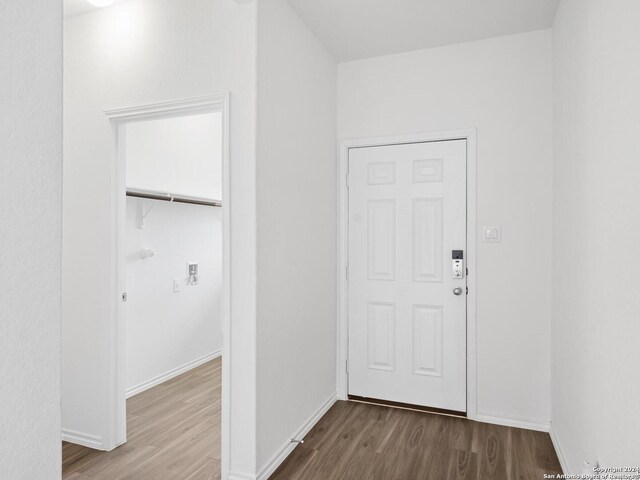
[467, 270]
[347, 180]
[467, 290]
[124, 296]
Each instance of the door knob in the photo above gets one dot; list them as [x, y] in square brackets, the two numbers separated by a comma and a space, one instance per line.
[457, 291]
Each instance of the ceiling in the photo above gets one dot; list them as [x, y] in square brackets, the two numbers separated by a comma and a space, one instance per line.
[73, 8]
[354, 29]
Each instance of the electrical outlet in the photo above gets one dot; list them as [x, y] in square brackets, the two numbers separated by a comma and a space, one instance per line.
[192, 273]
[177, 285]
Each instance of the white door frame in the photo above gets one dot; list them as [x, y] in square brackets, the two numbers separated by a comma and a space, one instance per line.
[115, 329]
[343, 250]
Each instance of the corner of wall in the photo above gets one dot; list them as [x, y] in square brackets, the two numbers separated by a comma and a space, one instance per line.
[280, 456]
[559, 452]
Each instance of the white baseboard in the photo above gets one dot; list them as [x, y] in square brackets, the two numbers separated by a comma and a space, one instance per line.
[241, 476]
[91, 441]
[172, 373]
[516, 422]
[556, 446]
[286, 450]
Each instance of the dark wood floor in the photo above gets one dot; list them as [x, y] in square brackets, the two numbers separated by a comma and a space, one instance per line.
[173, 434]
[356, 441]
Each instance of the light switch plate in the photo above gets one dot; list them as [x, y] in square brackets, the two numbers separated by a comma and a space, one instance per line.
[177, 283]
[491, 234]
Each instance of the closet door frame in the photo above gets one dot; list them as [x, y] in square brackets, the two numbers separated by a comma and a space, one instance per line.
[115, 331]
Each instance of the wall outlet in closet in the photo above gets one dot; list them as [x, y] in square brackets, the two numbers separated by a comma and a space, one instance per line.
[177, 285]
[192, 272]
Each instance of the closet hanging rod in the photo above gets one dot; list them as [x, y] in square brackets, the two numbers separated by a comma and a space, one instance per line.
[173, 198]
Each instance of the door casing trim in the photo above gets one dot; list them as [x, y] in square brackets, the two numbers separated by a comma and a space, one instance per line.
[342, 314]
[115, 328]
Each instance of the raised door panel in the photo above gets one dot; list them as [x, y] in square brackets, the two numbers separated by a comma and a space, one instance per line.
[427, 239]
[381, 227]
[381, 336]
[427, 340]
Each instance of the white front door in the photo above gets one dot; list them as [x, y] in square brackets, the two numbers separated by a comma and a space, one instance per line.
[407, 306]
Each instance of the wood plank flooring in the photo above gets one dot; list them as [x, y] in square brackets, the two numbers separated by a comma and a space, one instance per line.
[173, 434]
[356, 441]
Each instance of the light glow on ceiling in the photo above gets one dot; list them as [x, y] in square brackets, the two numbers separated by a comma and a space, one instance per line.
[100, 3]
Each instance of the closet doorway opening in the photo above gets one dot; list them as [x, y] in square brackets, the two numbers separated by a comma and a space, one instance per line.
[170, 285]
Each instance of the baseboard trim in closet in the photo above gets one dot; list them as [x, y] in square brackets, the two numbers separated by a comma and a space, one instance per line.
[172, 373]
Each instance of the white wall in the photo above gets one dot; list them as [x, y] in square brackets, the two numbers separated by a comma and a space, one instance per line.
[595, 354]
[139, 52]
[179, 155]
[502, 87]
[166, 330]
[30, 242]
[296, 227]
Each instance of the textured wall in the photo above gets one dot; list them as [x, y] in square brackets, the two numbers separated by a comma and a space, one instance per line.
[167, 330]
[596, 306]
[296, 226]
[139, 52]
[30, 241]
[501, 87]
